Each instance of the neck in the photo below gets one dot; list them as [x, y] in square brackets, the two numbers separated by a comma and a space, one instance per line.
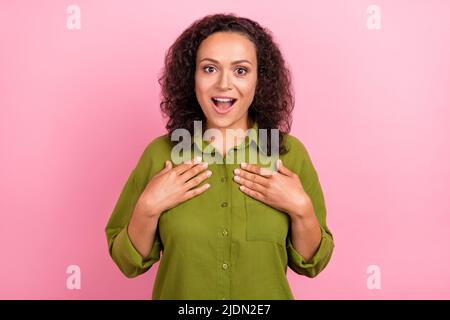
[221, 141]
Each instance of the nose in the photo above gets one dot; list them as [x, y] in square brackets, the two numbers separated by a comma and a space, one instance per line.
[224, 81]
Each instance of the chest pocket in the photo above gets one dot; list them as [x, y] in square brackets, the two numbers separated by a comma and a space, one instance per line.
[265, 223]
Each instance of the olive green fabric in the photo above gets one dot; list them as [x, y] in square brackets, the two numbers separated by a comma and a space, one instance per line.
[221, 244]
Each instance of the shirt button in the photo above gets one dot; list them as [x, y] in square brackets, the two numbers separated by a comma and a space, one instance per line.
[223, 179]
[224, 204]
[225, 266]
[223, 298]
[224, 232]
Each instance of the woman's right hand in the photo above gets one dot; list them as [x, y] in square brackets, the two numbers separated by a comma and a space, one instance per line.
[172, 186]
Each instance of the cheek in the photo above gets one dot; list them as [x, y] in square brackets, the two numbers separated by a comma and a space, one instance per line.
[202, 93]
[248, 90]
[199, 91]
[202, 86]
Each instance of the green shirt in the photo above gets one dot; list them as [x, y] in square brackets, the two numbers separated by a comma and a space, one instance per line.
[221, 244]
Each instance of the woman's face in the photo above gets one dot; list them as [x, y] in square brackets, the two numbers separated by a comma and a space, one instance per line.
[225, 79]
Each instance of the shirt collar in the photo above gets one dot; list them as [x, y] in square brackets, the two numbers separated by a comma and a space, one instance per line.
[250, 138]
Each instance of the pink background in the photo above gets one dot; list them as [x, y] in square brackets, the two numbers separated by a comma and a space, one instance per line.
[77, 108]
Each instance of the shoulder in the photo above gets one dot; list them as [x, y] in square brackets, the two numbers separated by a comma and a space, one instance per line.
[294, 145]
[158, 146]
[296, 149]
[297, 154]
[152, 159]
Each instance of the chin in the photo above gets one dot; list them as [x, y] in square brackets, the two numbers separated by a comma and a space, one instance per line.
[220, 123]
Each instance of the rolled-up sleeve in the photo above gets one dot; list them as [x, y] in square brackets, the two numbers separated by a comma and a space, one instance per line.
[317, 263]
[121, 249]
[311, 184]
[128, 259]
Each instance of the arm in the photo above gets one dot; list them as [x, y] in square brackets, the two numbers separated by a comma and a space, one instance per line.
[310, 243]
[126, 235]
[142, 229]
[306, 233]
[132, 230]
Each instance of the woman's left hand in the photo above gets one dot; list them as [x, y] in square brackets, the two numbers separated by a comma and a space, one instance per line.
[280, 189]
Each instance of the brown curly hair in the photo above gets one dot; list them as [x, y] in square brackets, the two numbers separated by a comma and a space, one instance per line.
[273, 102]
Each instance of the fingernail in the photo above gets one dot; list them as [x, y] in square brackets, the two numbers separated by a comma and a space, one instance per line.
[204, 164]
[237, 171]
[197, 159]
[207, 185]
[243, 164]
[208, 173]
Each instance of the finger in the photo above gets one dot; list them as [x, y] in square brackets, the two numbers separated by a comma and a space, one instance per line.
[250, 184]
[167, 167]
[196, 159]
[251, 177]
[252, 193]
[181, 168]
[266, 172]
[196, 191]
[282, 169]
[191, 172]
[198, 179]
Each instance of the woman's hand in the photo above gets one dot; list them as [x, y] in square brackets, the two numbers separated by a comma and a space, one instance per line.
[280, 189]
[172, 186]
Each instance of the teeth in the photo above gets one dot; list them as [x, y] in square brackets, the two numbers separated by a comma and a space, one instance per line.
[223, 99]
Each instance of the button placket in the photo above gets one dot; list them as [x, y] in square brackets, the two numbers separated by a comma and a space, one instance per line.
[223, 231]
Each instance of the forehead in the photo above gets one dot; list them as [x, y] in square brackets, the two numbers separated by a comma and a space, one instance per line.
[227, 46]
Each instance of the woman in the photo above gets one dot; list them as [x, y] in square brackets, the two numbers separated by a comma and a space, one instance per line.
[227, 229]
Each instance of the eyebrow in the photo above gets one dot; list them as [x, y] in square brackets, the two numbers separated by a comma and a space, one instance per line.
[234, 62]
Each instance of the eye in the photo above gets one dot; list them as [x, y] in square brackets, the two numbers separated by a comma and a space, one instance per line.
[207, 69]
[243, 71]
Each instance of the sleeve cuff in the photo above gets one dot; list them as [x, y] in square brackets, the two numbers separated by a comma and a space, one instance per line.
[129, 259]
[317, 263]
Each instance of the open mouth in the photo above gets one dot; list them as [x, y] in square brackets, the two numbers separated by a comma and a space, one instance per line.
[223, 105]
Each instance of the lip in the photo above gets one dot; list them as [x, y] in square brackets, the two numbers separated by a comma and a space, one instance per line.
[223, 111]
[223, 97]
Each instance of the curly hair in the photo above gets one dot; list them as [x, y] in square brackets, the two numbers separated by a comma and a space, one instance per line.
[273, 102]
